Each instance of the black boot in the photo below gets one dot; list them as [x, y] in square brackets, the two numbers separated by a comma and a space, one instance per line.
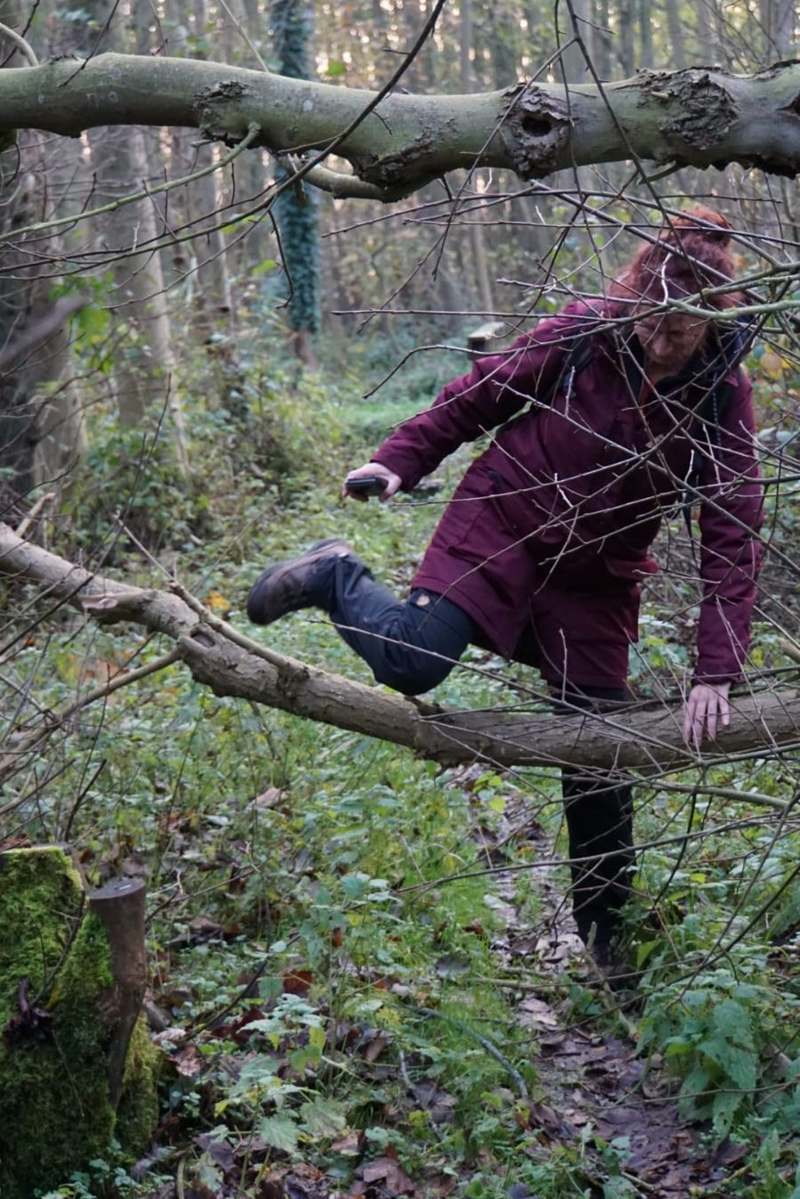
[297, 583]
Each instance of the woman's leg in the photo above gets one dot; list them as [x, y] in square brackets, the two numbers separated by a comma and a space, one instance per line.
[410, 645]
[598, 809]
[586, 634]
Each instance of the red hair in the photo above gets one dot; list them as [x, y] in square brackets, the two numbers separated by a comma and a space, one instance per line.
[691, 252]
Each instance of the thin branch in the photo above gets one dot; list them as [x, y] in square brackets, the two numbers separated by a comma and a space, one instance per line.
[146, 193]
[19, 41]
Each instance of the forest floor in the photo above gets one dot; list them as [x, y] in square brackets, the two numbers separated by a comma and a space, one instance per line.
[364, 980]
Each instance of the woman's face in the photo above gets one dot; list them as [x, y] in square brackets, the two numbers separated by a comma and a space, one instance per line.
[670, 339]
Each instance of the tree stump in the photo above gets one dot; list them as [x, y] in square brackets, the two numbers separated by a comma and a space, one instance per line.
[76, 1064]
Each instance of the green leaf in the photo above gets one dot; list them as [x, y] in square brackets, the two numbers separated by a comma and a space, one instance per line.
[92, 321]
[723, 1109]
[336, 69]
[733, 1022]
[316, 1038]
[263, 267]
[207, 1173]
[676, 1046]
[618, 1188]
[692, 1097]
[643, 952]
[279, 1132]
[324, 1118]
[740, 1065]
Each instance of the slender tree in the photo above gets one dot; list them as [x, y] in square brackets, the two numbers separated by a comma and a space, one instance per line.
[296, 210]
[41, 421]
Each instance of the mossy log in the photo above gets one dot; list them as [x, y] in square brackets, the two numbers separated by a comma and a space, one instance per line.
[76, 1065]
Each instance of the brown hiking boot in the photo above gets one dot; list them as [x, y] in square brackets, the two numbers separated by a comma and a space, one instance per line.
[289, 586]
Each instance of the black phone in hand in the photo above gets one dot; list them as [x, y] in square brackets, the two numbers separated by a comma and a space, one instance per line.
[366, 486]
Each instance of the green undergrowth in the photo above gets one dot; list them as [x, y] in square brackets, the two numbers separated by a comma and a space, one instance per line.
[340, 999]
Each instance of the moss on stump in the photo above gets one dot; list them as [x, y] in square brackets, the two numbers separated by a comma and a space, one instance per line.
[56, 980]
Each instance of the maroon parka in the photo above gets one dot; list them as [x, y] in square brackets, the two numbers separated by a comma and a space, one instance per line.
[553, 522]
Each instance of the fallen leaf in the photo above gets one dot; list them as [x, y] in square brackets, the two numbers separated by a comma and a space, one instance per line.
[305, 1182]
[268, 798]
[535, 1013]
[391, 1174]
[349, 1144]
[297, 982]
[439, 1104]
[270, 1190]
[220, 1152]
[217, 602]
[375, 1046]
[188, 1061]
[729, 1153]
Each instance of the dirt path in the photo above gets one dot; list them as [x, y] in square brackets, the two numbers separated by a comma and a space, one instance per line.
[593, 1079]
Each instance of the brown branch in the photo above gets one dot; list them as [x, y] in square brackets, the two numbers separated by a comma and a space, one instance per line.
[232, 665]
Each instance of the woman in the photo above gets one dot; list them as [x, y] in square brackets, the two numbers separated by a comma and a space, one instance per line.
[609, 414]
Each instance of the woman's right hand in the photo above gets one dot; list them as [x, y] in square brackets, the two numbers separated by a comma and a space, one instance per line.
[375, 470]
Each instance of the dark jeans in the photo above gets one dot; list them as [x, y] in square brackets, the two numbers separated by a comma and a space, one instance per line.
[409, 645]
[412, 646]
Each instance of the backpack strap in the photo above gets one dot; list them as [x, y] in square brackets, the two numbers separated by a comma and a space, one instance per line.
[713, 408]
[577, 359]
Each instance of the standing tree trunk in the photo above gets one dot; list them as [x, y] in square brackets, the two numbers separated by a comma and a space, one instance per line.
[601, 38]
[296, 209]
[645, 34]
[144, 373]
[777, 21]
[627, 53]
[675, 29]
[42, 433]
[213, 305]
[477, 232]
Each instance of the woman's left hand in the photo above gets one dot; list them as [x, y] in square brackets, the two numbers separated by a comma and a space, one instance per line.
[707, 709]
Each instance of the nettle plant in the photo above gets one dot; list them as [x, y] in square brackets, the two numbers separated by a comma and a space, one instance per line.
[732, 1041]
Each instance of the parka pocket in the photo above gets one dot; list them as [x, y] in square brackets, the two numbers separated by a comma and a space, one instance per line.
[512, 505]
[464, 520]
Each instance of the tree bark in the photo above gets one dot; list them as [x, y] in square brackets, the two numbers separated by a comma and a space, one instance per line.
[697, 116]
[41, 422]
[601, 38]
[627, 26]
[119, 905]
[231, 664]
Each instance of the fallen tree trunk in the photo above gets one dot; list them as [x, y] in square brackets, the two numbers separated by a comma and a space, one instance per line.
[232, 664]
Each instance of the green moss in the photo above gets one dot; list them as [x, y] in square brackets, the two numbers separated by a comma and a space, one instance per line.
[55, 1113]
[137, 1114]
